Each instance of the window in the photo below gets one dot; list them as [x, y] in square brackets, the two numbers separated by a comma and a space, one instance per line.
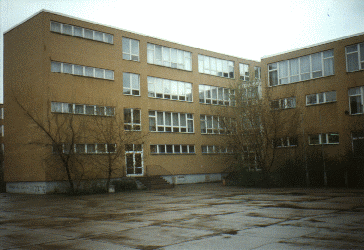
[81, 109]
[321, 98]
[328, 138]
[358, 143]
[94, 148]
[216, 67]
[257, 72]
[244, 71]
[285, 142]
[169, 57]
[250, 92]
[130, 49]
[210, 124]
[2, 131]
[132, 119]
[134, 159]
[79, 70]
[208, 149]
[285, 103]
[1, 113]
[300, 69]
[356, 97]
[170, 122]
[76, 31]
[168, 89]
[355, 57]
[172, 149]
[131, 84]
[216, 95]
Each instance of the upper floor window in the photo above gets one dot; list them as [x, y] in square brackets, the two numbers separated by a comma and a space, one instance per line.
[302, 68]
[169, 89]
[328, 138]
[285, 142]
[81, 109]
[79, 70]
[131, 84]
[71, 30]
[210, 124]
[216, 95]
[169, 57]
[214, 66]
[321, 98]
[170, 122]
[172, 149]
[213, 149]
[257, 72]
[355, 57]
[130, 49]
[284, 103]
[244, 71]
[91, 148]
[132, 119]
[356, 100]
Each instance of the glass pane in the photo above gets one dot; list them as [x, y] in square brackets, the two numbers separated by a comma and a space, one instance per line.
[110, 111]
[80, 148]
[162, 149]
[153, 149]
[126, 45]
[101, 148]
[127, 115]
[314, 139]
[191, 149]
[88, 34]
[79, 109]
[67, 68]
[316, 61]
[333, 138]
[56, 27]
[98, 36]
[177, 149]
[352, 48]
[99, 73]
[135, 47]
[89, 71]
[129, 147]
[67, 29]
[328, 53]
[136, 116]
[305, 64]
[109, 38]
[169, 149]
[100, 110]
[126, 80]
[352, 61]
[56, 107]
[91, 148]
[56, 67]
[135, 81]
[311, 99]
[78, 70]
[90, 110]
[329, 67]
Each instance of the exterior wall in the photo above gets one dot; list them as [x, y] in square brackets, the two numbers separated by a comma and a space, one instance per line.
[320, 118]
[27, 76]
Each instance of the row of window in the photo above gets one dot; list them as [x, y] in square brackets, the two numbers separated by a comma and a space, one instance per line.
[92, 148]
[302, 68]
[82, 109]
[316, 139]
[80, 70]
[214, 66]
[284, 103]
[159, 55]
[172, 149]
[72, 30]
[168, 89]
[169, 57]
[170, 122]
[319, 98]
[210, 124]
[216, 95]
[212, 149]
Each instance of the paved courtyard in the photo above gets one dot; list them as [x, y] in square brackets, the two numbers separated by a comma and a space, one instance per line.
[198, 216]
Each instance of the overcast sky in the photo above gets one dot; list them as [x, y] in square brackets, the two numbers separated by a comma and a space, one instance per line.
[249, 29]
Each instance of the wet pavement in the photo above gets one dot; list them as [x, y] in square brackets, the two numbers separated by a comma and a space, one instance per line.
[198, 216]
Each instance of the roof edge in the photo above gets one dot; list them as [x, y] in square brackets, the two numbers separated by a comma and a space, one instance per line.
[312, 45]
[117, 28]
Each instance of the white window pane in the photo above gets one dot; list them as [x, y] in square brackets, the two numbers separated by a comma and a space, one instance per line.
[56, 107]
[67, 68]
[99, 73]
[109, 74]
[98, 36]
[135, 47]
[67, 29]
[77, 31]
[352, 61]
[88, 34]
[56, 67]
[89, 71]
[56, 27]
[126, 45]
[78, 70]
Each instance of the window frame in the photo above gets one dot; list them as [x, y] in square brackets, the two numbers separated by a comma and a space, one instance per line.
[164, 121]
[126, 53]
[317, 96]
[210, 65]
[360, 89]
[131, 83]
[244, 71]
[135, 126]
[326, 60]
[324, 139]
[190, 149]
[80, 70]
[283, 103]
[360, 52]
[178, 90]
[74, 110]
[226, 100]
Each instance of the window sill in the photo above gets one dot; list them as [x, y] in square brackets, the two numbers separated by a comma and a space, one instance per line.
[308, 105]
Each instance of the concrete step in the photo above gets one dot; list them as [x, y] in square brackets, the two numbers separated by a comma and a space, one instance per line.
[154, 182]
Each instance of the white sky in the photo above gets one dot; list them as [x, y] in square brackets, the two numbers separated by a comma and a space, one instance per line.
[244, 28]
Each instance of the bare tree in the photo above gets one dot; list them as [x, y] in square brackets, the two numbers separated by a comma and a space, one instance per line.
[259, 125]
[115, 134]
[62, 133]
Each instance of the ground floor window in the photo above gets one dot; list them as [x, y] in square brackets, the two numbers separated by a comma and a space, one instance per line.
[134, 159]
[358, 143]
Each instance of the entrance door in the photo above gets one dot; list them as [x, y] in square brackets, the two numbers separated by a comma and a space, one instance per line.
[134, 159]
